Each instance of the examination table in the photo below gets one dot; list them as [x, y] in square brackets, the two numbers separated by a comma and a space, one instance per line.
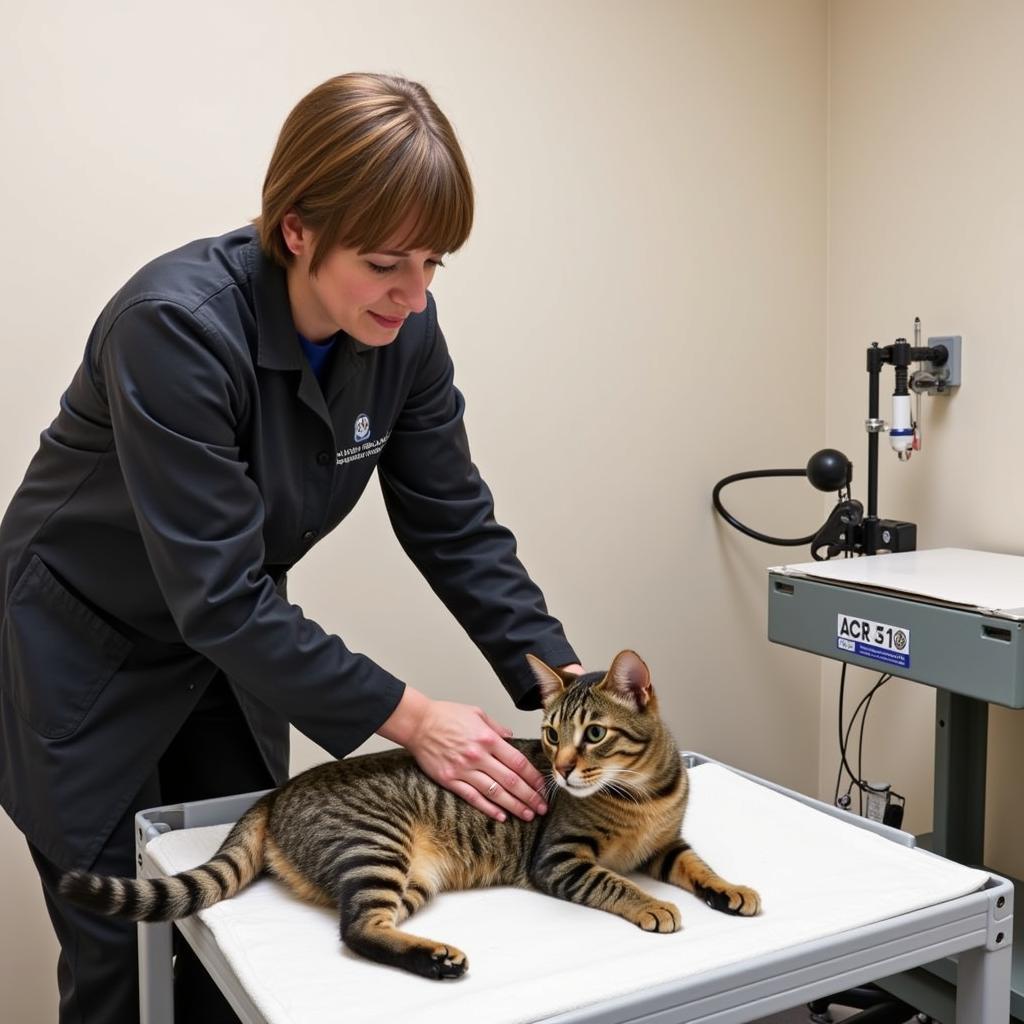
[845, 901]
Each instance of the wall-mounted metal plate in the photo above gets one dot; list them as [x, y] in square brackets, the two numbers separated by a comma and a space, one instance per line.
[949, 374]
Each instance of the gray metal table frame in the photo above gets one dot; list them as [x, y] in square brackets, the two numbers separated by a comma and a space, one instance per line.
[981, 662]
[976, 928]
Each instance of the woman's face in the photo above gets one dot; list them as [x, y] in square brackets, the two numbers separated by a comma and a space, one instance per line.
[366, 295]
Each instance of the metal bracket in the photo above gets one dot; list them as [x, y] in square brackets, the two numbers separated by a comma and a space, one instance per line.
[940, 380]
[1000, 920]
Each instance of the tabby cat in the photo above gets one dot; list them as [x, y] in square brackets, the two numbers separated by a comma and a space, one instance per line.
[374, 837]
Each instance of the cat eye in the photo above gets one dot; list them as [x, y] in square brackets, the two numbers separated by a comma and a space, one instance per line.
[595, 733]
[551, 735]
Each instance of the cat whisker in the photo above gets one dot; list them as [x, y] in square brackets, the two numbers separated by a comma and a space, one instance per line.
[626, 771]
[550, 787]
[621, 790]
[616, 772]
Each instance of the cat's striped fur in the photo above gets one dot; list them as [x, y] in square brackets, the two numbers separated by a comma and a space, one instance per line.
[375, 838]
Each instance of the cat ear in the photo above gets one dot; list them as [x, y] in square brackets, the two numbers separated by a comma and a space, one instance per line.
[629, 679]
[551, 683]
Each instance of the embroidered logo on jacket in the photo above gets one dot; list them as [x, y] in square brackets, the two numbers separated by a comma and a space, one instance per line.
[362, 427]
[361, 451]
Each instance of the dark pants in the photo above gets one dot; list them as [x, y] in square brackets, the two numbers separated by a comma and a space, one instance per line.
[213, 755]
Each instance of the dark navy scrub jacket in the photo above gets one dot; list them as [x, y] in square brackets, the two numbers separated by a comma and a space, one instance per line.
[195, 458]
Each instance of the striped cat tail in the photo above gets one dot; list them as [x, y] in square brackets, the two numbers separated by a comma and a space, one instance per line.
[238, 861]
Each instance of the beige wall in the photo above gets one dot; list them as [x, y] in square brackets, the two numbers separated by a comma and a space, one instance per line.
[641, 310]
[926, 218]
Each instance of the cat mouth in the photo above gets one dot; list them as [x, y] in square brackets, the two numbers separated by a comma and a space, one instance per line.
[581, 789]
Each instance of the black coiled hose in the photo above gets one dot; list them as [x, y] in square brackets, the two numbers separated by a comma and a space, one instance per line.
[733, 521]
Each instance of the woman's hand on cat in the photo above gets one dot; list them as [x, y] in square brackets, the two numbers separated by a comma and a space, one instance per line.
[463, 749]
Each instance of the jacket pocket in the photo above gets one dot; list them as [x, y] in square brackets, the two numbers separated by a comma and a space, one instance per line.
[57, 654]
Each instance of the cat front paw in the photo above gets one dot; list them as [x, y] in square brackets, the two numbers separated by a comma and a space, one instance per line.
[732, 899]
[656, 916]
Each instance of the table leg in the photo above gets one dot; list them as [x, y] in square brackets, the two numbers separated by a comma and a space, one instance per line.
[961, 749]
[983, 986]
[156, 974]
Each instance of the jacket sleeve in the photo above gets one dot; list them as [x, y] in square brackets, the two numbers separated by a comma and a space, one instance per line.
[443, 515]
[176, 394]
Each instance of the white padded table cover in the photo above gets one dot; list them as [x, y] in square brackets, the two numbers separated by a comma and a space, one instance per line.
[532, 956]
[977, 580]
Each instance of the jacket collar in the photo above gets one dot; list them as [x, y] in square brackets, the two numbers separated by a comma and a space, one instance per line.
[277, 342]
[277, 338]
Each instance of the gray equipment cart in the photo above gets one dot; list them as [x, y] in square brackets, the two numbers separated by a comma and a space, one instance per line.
[950, 618]
[976, 928]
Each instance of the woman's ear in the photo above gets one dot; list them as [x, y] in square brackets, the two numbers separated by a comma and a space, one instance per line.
[297, 237]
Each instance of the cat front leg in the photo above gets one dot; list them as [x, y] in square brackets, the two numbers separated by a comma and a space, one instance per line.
[582, 881]
[677, 864]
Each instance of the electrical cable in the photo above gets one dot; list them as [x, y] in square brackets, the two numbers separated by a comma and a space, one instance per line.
[855, 778]
[882, 680]
[842, 755]
[733, 521]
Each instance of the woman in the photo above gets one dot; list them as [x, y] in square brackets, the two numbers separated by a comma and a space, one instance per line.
[234, 399]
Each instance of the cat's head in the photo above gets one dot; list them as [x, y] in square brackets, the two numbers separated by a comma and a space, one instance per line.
[601, 730]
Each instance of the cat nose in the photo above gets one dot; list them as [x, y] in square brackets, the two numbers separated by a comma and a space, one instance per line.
[566, 769]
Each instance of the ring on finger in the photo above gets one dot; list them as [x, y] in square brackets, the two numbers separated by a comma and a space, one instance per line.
[491, 788]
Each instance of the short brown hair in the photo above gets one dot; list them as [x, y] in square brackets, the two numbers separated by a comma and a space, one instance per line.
[355, 159]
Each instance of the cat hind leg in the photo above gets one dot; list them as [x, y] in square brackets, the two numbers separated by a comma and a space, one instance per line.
[368, 927]
[380, 940]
